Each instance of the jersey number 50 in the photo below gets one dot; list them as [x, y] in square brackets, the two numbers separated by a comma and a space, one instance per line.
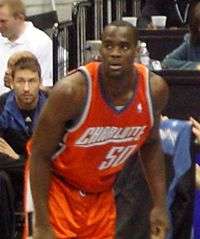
[116, 156]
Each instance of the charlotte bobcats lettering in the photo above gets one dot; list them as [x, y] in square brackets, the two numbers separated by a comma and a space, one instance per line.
[95, 135]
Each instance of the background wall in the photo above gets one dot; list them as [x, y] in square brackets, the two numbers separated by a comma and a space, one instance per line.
[63, 7]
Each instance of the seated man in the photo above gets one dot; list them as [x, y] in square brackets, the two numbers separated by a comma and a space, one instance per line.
[187, 55]
[19, 110]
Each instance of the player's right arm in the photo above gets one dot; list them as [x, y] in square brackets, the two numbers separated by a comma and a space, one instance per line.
[65, 103]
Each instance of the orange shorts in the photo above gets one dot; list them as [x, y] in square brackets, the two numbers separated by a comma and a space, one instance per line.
[75, 214]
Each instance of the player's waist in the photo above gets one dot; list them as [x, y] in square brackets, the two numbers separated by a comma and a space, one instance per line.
[86, 188]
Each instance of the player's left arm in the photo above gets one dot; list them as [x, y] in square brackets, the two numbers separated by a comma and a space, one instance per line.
[152, 160]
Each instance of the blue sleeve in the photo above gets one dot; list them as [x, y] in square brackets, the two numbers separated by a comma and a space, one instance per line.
[177, 59]
[3, 123]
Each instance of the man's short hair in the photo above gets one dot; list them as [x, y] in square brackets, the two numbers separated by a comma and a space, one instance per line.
[16, 7]
[121, 23]
[26, 62]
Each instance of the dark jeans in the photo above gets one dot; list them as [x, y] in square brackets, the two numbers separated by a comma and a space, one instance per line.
[7, 217]
[15, 171]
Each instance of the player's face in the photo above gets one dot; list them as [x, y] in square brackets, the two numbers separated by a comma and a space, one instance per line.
[26, 85]
[8, 23]
[118, 50]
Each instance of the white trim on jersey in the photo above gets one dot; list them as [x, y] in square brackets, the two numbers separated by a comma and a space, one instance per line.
[148, 95]
[88, 102]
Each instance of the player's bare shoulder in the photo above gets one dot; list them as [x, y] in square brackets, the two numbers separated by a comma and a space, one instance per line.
[68, 94]
[160, 91]
[72, 85]
[75, 86]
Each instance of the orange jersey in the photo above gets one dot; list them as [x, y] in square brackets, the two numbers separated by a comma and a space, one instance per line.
[96, 148]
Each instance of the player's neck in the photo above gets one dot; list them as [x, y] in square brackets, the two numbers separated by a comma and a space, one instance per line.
[122, 89]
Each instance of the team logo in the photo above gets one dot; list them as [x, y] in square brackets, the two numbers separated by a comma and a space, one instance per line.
[139, 108]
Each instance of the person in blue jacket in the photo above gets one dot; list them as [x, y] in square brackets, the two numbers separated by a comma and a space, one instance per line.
[187, 55]
[19, 111]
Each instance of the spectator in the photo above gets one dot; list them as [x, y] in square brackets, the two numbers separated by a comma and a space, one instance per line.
[17, 34]
[187, 55]
[176, 11]
[19, 111]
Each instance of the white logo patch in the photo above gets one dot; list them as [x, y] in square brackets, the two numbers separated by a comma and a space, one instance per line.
[139, 108]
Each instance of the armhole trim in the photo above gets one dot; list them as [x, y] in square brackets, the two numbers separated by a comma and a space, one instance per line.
[88, 98]
[149, 95]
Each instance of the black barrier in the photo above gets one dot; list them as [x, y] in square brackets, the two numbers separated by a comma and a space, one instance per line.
[61, 46]
[79, 18]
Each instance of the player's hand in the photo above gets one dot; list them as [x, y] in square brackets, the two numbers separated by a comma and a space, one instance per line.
[195, 128]
[5, 148]
[197, 176]
[159, 223]
[43, 233]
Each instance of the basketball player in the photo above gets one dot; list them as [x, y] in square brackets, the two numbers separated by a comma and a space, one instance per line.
[93, 121]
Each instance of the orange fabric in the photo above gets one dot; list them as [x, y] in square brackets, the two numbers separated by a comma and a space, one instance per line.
[26, 181]
[96, 150]
[75, 214]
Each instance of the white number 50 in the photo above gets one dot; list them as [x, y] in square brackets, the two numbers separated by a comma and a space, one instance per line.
[116, 156]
